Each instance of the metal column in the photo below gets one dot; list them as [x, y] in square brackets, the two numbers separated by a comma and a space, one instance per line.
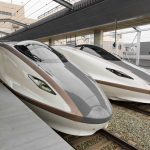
[98, 38]
[138, 45]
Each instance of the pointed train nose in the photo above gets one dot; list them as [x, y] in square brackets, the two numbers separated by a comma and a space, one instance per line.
[97, 115]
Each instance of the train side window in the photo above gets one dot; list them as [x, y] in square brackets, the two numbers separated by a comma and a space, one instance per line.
[90, 51]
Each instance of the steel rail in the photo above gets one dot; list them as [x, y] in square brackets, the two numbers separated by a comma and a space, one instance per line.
[117, 140]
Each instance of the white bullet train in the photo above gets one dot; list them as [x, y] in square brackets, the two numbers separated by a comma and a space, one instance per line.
[117, 82]
[100, 52]
[56, 90]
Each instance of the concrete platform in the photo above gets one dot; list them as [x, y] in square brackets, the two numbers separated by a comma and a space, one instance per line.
[21, 129]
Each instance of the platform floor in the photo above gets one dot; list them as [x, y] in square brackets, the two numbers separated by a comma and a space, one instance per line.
[21, 129]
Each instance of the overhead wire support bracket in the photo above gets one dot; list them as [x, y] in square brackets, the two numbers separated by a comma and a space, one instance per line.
[64, 3]
[5, 33]
[14, 22]
[137, 29]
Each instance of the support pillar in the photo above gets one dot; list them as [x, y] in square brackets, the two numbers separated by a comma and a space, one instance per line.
[49, 42]
[98, 38]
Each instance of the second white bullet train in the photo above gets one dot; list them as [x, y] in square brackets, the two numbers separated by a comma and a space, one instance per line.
[117, 82]
[102, 53]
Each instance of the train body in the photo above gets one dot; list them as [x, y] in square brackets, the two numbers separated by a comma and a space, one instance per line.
[60, 93]
[118, 82]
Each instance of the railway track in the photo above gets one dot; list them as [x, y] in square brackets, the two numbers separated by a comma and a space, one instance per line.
[105, 140]
[123, 144]
[138, 107]
[101, 140]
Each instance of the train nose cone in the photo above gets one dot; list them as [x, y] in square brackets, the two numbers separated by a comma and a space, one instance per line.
[98, 115]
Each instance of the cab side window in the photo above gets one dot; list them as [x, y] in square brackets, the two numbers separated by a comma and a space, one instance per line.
[90, 51]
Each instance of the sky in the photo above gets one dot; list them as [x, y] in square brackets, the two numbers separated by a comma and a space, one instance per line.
[34, 5]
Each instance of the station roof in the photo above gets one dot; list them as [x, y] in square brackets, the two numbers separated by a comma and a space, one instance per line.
[86, 14]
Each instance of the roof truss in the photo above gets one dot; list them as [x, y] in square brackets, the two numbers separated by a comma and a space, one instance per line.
[64, 3]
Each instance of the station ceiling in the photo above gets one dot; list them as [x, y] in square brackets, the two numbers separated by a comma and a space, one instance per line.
[87, 15]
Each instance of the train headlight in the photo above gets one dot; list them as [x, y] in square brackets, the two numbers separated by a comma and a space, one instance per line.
[41, 84]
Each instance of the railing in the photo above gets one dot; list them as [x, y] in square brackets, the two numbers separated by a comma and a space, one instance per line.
[55, 9]
[130, 55]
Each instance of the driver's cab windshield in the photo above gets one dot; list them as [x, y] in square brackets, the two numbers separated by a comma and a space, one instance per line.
[40, 53]
[99, 52]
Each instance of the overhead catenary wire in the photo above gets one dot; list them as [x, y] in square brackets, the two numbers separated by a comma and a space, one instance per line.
[23, 6]
[31, 8]
[34, 11]
[37, 10]
[34, 4]
[50, 10]
[57, 7]
[19, 9]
